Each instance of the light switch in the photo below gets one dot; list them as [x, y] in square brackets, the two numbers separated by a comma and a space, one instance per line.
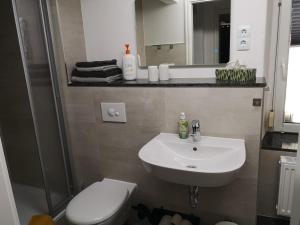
[257, 102]
[113, 112]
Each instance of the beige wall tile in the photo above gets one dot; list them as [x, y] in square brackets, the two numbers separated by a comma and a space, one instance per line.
[250, 169]
[224, 112]
[111, 149]
[72, 33]
[80, 112]
[144, 106]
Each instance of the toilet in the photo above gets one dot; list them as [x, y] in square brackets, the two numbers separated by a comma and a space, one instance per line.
[103, 203]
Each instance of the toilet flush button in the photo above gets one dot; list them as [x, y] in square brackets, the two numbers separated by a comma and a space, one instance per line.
[113, 112]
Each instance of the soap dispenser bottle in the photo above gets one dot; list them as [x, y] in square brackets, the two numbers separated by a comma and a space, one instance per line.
[129, 65]
[183, 126]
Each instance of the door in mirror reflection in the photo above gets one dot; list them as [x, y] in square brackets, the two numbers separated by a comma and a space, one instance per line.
[211, 33]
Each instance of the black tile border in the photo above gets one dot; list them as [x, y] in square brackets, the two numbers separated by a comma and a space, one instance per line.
[177, 82]
[280, 141]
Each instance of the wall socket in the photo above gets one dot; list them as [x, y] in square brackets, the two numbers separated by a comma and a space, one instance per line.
[244, 31]
[243, 44]
[244, 38]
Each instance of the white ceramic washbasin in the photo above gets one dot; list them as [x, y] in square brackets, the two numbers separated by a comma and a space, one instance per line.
[215, 163]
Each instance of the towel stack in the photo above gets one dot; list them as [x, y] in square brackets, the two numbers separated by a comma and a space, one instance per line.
[97, 71]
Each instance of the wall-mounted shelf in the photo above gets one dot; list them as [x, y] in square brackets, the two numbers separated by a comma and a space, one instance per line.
[179, 82]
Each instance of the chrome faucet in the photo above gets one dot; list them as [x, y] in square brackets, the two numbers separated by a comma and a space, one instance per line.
[196, 131]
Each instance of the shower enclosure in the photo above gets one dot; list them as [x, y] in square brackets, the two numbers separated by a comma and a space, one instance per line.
[31, 117]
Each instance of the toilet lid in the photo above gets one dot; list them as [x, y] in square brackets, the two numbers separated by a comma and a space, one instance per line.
[96, 203]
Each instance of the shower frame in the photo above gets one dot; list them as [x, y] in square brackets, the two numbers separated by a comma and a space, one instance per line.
[54, 210]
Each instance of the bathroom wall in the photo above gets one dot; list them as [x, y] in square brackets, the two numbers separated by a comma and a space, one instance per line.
[111, 149]
[242, 12]
[268, 182]
[272, 24]
[71, 31]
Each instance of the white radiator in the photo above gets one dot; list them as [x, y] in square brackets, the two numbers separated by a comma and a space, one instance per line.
[286, 185]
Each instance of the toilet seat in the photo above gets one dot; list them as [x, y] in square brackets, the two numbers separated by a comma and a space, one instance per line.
[97, 203]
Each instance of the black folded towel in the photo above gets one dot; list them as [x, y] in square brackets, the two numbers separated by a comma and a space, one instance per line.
[98, 68]
[96, 79]
[97, 74]
[96, 63]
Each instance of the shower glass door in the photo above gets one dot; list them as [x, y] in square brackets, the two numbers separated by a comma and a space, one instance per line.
[42, 85]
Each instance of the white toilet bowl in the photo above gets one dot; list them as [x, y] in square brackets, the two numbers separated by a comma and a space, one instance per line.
[103, 203]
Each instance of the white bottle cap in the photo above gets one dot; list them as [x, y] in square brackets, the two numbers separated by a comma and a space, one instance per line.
[182, 116]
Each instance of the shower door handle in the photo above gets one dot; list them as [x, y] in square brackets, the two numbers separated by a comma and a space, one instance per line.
[284, 69]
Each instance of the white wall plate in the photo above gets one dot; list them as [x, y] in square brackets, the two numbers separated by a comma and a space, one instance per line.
[243, 44]
[113, 112]
[244, 32]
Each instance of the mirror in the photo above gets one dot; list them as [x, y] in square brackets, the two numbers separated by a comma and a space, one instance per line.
[183, 32]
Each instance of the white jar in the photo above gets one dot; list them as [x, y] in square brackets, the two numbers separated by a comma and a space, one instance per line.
[153, 73]
[164, 73]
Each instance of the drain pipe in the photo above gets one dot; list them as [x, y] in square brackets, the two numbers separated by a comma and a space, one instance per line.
[194, 194]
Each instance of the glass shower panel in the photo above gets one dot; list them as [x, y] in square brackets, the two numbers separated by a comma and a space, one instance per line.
[16, 124]
[44, 105]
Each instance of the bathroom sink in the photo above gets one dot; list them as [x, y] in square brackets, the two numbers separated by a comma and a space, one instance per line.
[212, 162]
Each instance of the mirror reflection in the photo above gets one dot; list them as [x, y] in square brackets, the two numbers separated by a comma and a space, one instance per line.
[183, 32]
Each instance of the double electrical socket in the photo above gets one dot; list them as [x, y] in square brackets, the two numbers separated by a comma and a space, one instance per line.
[244, 38]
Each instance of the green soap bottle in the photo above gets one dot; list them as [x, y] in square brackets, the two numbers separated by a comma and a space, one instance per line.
[183, 126]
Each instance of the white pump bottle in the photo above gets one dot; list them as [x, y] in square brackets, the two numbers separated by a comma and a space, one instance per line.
[129, 65]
